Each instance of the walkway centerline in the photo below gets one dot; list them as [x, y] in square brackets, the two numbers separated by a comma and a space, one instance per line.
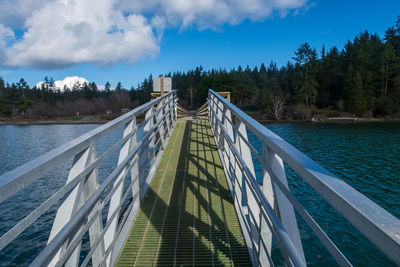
[187, 216]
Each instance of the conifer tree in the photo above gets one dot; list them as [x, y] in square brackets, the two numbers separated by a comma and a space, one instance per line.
[389, 59]
[359, 102]
[305, 60]
[353, 92]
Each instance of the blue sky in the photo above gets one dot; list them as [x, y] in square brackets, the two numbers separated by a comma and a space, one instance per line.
[206, 41]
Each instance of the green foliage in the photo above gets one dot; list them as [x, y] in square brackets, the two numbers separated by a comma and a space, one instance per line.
[353, 93]
[306, 59]
[385, 106]
[5, 107]
[23, 103]
[359, 102]
[264, 100]
[363, 76]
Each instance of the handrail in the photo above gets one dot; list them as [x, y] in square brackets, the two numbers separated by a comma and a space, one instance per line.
[137, 157]
[286, 245]
[22, 176]
[375, 223]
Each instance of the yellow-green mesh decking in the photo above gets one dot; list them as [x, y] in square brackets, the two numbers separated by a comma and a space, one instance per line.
[187, 217]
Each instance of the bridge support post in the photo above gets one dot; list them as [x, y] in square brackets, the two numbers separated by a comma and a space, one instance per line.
[228, 155]
[175, 114]
[160, 111]
[220, 132]
[73, 202]
[115, 202]
[283, 206]
[252, 204]
[172, 116]
[97, 228]
[213, 120]
[144, 152]
[168, 118]
[151, 142]
[131, 214]
[238, 187]
[266, 234]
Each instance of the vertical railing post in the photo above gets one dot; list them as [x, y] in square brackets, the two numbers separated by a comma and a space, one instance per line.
[261, 249]
[135, 178]
[171, 115]
[115, 201]
[252, 203]
[266, 234]
[73, 202]
[238, 184]
[220, 114]
[239, 188]
[95, 230]
[211, 113]
[148, 126]
[228, 155]
[173, 111]
[145, 151]
[167, 119]
[217, 115]
[135, 191]
[175, 107]
[209, 109]
[284, 208]
[160, 129]
[215, 107]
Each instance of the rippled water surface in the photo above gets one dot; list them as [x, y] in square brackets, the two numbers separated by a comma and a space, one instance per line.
[365, 155]
[20, 144]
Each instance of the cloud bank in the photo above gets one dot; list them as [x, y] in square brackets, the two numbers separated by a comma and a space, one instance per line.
[67, 32]
[68, 82]
[61, 33]
[208, 13]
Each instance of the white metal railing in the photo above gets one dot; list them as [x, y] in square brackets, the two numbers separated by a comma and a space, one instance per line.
[84, 200]
[268, 211]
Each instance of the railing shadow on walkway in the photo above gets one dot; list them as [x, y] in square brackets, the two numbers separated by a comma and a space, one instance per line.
[191, 235]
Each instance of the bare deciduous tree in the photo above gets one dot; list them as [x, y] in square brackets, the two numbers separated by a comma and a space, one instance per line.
[277, 107]
[302, 112]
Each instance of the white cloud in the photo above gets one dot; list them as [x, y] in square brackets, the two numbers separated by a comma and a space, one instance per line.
[208, 13]
[67, 32]
[60, 33]
[68, 82]
[5, 34]
[15, 12]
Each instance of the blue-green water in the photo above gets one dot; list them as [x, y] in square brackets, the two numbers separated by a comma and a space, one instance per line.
[20, 144]
[365, 155]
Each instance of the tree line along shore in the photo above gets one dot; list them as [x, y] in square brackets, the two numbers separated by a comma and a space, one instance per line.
[362, 80]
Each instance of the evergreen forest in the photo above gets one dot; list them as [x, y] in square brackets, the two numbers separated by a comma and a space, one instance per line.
[360, 80]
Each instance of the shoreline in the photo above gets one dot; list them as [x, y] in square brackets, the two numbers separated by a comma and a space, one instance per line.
[52, 121]
[333, 120]
[92, 120]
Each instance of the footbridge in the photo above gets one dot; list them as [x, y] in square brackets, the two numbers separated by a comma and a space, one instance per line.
[185, 192]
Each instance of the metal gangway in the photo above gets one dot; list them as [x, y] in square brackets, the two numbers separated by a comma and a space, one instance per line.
[105, 217]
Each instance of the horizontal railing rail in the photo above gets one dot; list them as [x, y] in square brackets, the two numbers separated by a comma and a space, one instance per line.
[105, 211]
[267, 211]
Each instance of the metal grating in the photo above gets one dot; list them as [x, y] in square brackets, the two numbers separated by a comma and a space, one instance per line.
[187, 216]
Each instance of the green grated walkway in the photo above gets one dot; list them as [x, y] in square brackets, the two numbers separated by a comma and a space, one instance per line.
[187, 217]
